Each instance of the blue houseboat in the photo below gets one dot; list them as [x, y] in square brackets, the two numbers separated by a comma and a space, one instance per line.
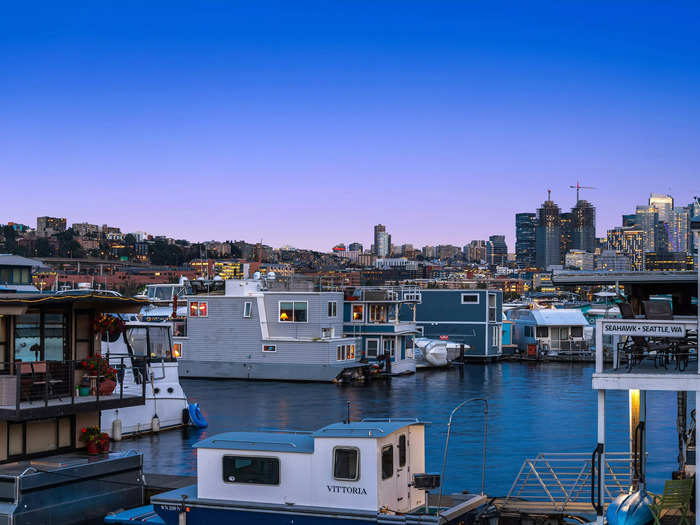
[369, 471]
[373, 314]
[472, 318]
[558, 331]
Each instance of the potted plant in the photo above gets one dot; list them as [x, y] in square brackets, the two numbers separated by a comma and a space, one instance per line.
[103, 443]
[91, 436]
[84, 387]
[98, 367]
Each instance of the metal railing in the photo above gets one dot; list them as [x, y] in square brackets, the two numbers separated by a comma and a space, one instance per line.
[567, 347]
[40, 384]
[561, 482]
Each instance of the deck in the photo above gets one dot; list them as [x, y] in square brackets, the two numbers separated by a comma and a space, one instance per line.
[55, 407]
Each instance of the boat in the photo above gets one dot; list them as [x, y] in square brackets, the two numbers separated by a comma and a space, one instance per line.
[150, 364]
[430, 353]
[369, 471]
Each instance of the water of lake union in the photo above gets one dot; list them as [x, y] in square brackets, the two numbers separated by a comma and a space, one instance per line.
[532, 408]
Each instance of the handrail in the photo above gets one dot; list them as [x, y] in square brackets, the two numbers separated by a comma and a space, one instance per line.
[598, 506]
[447, 443]
[637, 454]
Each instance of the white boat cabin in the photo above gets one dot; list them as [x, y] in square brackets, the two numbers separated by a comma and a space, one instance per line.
[363, 465]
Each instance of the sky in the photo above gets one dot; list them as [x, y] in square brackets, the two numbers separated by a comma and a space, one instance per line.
[306, 123]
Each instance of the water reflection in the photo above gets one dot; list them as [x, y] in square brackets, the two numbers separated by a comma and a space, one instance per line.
[532, 408]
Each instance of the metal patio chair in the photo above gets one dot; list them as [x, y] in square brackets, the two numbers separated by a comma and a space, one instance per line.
[676, 497]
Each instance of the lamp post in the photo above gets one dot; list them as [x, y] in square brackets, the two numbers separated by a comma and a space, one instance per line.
[447, 444]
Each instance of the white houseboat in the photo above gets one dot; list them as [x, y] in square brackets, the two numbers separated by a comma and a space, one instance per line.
[266, 329]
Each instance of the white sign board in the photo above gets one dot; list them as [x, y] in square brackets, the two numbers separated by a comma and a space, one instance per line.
[645, 329]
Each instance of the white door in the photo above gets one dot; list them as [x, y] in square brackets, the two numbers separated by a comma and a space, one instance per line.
[403, 473]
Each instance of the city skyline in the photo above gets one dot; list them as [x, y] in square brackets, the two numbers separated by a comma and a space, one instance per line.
[306, 127]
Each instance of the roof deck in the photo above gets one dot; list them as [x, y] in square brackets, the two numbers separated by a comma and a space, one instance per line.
[647, 354]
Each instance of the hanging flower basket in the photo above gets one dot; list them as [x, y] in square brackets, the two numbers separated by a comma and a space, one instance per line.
[107, 323]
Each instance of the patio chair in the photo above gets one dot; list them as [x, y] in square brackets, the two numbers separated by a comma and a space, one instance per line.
[637, 348]
[679, 349]
[42, 377]
[676, 496]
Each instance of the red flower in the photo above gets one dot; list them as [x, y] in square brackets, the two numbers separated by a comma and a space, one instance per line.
[84, 363]
[84, 430]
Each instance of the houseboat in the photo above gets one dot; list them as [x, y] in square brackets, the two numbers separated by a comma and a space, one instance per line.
[372, 315]
[549, 331]
[266, 329]
[467, 317]
[369, 471]
[16, 273]
[166, 405]
[53, 387]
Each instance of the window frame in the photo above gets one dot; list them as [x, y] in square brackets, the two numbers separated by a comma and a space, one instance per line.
[470, 294]
[269, 351]
[198, 309]
[571, 331]
[528, 328]
[332, 309]
[293, 319]
[492, 309]
[390, 446]
[360, 319]
[402, 450]
[376, 340]
[545, 328]
[274, 458]
[357, 465]
[247, 309]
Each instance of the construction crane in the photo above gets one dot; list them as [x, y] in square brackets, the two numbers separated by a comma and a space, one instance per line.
[578, 188]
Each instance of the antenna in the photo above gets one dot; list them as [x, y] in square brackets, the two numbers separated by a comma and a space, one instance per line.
[549, 195]
[578, 188]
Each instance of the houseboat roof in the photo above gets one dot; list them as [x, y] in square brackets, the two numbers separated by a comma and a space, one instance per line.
[96, 300]
[367, 428]
[7, 259]
[559, 317]
[263, 441]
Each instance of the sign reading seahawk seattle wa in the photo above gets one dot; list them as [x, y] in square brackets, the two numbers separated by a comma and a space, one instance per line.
[646, 329]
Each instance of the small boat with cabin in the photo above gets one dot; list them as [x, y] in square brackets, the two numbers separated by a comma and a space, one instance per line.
[147, 350]
[369, 471]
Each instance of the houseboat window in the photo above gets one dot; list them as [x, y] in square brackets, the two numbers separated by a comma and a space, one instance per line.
[259, 471]
[358, 312]
[53, 336]
[470, 298]
[377, 313]
[352, 352]
[528, 331]
[492, 307]
[199, 309]
[332, 309]
[247, 309]
[346, 464]
[402, 450]
[542, 331]
[372, 347]
[28, 337]
[387, 461]
[180, 328]
[577, 331]
[269, 348]
[293, 312]
[3, 341]
[494, 335]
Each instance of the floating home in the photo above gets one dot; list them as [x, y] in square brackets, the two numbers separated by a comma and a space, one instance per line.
[372, 314]
[260, 329]
[472, 318]
[554, 331]
[369, 471]
[45, 474]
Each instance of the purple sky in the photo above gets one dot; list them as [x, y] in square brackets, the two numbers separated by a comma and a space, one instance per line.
[306, 123]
